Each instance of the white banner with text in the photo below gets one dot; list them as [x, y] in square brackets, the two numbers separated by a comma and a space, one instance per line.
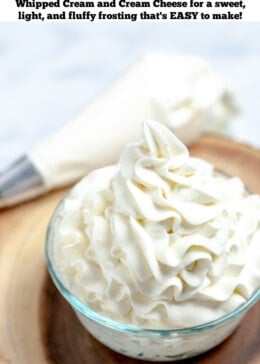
[129, 10]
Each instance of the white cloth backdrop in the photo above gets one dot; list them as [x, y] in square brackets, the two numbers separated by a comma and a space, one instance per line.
[48, 72]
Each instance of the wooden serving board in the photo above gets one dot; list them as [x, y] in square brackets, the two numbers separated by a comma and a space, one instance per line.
[37, 326]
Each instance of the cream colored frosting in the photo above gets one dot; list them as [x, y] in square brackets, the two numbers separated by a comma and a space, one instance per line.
[159, 240]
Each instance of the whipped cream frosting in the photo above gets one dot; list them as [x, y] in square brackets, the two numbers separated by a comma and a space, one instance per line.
[160, 240]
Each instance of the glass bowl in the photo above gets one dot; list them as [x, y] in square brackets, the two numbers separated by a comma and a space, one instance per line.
[143, 343]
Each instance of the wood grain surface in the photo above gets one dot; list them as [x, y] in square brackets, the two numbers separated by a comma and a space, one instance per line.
[37, 326]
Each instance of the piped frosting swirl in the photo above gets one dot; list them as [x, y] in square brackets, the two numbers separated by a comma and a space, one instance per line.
[159, 240]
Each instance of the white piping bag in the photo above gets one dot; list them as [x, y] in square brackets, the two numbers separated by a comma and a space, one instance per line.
[180, 91]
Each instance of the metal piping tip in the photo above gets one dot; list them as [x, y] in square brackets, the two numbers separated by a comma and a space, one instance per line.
[19, 182]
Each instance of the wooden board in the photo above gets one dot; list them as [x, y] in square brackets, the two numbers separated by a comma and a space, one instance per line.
[38, 327]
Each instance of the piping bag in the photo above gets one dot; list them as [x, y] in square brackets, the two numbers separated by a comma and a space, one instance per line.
[180, 91]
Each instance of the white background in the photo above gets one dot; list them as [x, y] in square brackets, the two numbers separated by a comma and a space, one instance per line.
[49, 71]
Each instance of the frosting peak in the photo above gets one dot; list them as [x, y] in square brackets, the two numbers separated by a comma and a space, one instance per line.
[152, 176]
[161, 142]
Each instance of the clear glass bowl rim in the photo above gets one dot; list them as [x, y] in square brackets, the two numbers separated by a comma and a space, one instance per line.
[131, 329]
